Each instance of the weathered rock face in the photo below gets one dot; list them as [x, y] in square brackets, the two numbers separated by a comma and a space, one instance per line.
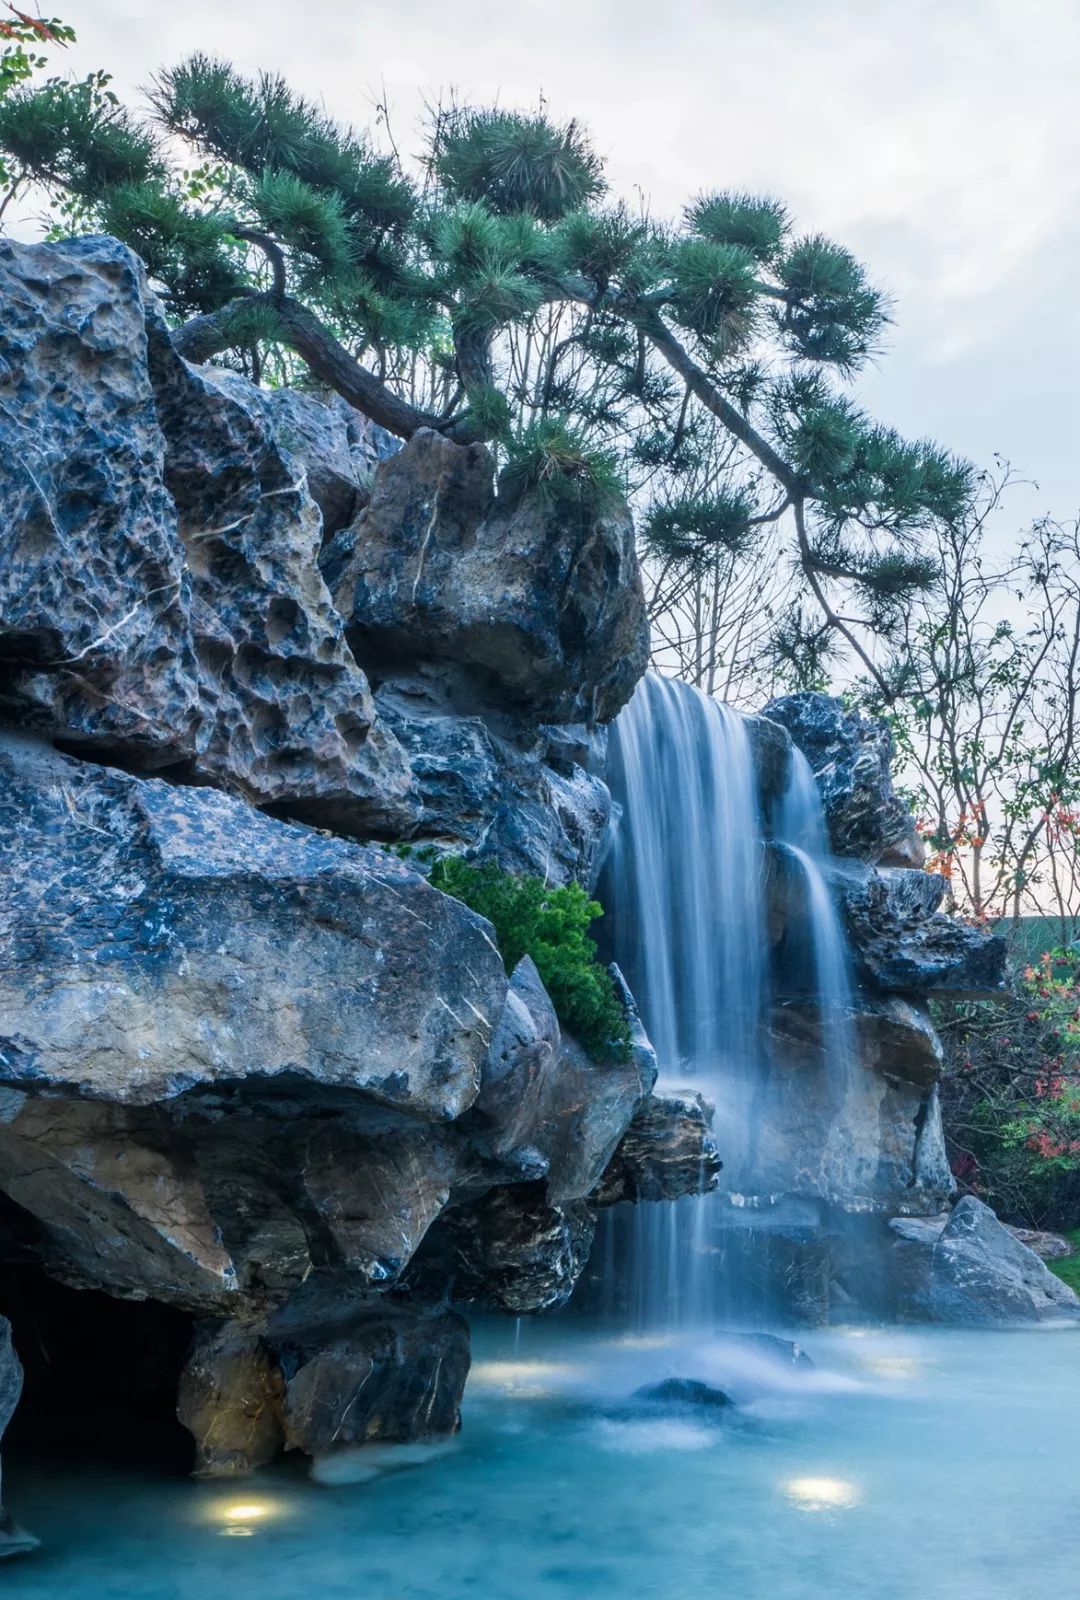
[901, 942]
[13, 1539]
[490, 786]
[95, 634]
[189, 941]
[161, 601]
[515, 1249]
[868, 1141]
[667, 1152]
[968, 1268]
[548, 611]
[851, 757]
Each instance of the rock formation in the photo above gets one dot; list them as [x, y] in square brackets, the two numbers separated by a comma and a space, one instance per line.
[254, 1067]
[255, 1071]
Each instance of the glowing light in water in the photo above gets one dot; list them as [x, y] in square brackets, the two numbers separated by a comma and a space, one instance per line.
[525, 1380]
[822, 1494]
[241, 1517]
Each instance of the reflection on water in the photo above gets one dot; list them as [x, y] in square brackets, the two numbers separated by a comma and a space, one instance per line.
[928, 1463]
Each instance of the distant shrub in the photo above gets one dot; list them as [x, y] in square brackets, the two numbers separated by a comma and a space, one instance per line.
[551, 926]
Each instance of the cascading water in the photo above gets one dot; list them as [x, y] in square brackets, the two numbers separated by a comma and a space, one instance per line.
[684, 890]
[801, 830]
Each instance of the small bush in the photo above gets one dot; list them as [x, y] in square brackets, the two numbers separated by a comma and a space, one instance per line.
[552, 926]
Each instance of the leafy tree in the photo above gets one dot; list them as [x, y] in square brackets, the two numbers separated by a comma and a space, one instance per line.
[981, 682]
[22, 38]
[500, 294]
[551, 926]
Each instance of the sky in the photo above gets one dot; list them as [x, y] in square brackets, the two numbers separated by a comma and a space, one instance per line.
[938, 139]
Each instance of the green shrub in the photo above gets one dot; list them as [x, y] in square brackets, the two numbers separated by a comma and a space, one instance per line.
[552, 926]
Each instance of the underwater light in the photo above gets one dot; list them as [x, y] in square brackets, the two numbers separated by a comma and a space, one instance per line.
[248, 1512]
[822, 1494]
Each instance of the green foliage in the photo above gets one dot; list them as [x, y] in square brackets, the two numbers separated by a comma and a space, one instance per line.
[518, 163]
[754, 223]
[551, 926]
[689, 529]
[1067, 1268]
[553, 461]
[498, 292]
[1012, 1093]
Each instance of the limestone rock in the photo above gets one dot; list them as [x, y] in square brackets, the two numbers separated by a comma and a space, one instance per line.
[900, 941]
[547, 607]
[95, 638]
[867, 1139]
[13, 1539]
[181, 939]
[851, 757]
[367, 1373]
[515, 1251]
[968, 1269]
[666, 1152]
[288, 719]
[488, 784]
[230, 1401]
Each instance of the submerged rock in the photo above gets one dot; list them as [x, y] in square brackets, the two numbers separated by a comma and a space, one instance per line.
[13, 1539]
[547, 604]
[967, 1268]
[683, 1392]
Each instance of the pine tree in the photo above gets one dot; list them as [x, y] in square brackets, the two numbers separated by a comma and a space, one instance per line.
[501, 295]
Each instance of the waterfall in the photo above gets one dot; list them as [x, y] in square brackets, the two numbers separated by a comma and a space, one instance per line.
[683, 888]
[683, 891]
[801, 830]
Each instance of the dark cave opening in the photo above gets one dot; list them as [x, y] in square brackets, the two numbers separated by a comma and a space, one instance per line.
[100, 1375]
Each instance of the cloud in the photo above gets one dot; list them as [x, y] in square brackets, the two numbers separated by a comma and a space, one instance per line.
[939, 142]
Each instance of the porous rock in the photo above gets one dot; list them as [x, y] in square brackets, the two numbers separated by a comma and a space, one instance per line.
[851, 758]
[95, 634]
[900, 941]
[546, 603]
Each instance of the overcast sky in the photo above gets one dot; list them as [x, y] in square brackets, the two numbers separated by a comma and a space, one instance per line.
[937, 138]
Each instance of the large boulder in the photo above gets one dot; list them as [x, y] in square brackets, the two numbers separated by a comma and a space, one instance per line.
[156, 938]
[866, 1136]
[543, 604]
[229, 1400]
[288, 718]
[966, 1268]
[13, 1539]
[491, 786]
[851, 758]
[900, 941]
[95, 633]
[367, 1372]
[160, 600]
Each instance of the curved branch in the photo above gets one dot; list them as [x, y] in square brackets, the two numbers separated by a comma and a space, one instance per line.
[330, 362]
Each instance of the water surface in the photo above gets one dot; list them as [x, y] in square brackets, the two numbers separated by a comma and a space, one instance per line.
[925, 1463]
